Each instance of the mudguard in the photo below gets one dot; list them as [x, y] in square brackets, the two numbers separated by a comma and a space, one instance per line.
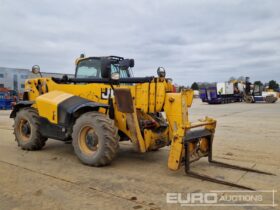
[20, 105]
[74, 106]
[62, 108]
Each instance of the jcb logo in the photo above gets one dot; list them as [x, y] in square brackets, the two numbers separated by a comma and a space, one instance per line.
[106, 93]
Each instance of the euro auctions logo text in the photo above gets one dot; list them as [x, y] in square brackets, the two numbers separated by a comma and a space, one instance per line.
[223, 198]
[192, 198]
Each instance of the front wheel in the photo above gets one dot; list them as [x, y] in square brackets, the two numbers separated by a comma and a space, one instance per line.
[26, 130]
[95, 139]
[248, 99]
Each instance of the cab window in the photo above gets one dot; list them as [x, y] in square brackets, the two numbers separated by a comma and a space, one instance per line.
[124, 73]
[90, 68]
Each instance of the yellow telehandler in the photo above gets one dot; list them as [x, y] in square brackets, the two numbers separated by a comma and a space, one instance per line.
[104, 104]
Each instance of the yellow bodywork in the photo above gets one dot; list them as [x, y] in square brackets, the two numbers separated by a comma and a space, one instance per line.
[148, 98]
[47, 104]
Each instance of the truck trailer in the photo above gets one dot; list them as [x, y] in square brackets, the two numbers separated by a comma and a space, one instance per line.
[223, 92]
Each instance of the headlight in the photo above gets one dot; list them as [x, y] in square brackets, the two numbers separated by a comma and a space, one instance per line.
[115, 76]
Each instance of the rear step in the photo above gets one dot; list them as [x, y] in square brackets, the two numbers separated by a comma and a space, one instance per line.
[194, 138]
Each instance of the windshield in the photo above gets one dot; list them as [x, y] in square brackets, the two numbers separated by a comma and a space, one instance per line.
[91, 68]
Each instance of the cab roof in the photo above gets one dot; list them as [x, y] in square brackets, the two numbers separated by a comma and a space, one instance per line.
[111, 57]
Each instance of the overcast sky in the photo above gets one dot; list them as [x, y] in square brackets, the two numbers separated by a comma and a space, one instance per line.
[194, 40]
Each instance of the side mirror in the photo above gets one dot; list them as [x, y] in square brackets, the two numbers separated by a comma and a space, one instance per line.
[105, 68]
[131, 63]
[35, 69]
[126, 63]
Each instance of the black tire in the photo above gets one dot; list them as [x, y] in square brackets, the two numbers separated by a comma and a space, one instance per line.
[249, 99]
[95, 139]
[270, 99]
[26, 130]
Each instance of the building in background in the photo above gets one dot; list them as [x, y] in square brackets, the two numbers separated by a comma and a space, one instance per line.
[14, 78]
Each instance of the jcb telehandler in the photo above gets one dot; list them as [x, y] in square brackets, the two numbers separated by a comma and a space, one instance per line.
[104, 104]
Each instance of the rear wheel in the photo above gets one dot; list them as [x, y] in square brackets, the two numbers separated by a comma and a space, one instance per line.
[95, 139]
[270, 99]
[26, 130]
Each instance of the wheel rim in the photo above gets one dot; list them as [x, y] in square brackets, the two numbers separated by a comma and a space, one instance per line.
[88, 141]
[24, 129]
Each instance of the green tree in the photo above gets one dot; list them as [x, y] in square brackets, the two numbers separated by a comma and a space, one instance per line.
[195, 86]
[259, 83]
[273, 85]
